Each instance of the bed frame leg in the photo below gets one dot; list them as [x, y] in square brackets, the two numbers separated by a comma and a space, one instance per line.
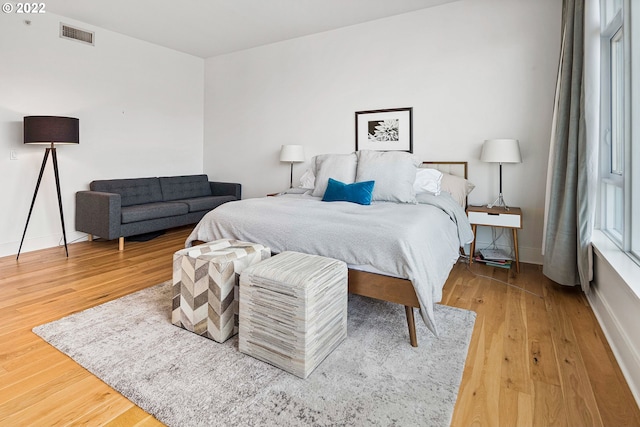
[411, 322]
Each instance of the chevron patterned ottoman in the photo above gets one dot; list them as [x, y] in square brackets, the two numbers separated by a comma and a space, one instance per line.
[293, 310]
[205, 286]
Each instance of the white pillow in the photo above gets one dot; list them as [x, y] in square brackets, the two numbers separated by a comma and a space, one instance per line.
[427, 181]
[457, 186]
[341, 167]
[394, 173]
[307, 180]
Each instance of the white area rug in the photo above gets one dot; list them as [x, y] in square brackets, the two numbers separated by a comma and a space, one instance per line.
[373, 378]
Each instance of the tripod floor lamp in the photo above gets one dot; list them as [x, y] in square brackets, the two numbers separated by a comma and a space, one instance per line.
[501, 151]
[50, 130]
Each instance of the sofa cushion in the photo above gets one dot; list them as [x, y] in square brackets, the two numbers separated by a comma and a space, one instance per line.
[135, 191]
[152, 211]
[205, 203]
[184, 187]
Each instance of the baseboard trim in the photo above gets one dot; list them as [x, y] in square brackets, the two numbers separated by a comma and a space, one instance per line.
[615, 306]
[38, 243]
[619, 342]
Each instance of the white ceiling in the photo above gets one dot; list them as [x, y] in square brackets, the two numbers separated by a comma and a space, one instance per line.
[208, 28]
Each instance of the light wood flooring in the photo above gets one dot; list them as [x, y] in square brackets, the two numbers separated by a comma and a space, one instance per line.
[534, 359]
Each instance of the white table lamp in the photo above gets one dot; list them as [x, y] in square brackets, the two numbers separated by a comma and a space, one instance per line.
[292, 154]
[501, 151]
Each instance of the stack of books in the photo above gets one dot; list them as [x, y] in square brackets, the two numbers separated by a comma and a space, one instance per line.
[493, 257]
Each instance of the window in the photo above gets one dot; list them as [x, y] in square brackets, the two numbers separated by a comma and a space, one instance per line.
[616, 63]
[634, 126]
[619, 92]
[613, 120]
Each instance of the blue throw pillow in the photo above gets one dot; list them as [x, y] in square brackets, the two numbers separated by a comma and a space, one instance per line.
[358, 192]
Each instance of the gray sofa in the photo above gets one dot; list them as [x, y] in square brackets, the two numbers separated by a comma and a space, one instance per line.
[119, 208]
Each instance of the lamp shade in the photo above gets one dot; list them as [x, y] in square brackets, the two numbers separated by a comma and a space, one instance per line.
[501, 151]
[51, 130]
[292, 153]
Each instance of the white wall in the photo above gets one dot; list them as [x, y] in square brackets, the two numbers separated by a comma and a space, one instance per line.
[471, 70]
[141, 110]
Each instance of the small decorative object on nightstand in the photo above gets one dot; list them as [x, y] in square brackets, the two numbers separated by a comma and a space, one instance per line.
[496, 217]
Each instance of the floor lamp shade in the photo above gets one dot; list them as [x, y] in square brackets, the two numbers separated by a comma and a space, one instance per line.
[51, 130]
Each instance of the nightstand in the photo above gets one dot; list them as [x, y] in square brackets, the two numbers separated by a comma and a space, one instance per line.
[495, 217]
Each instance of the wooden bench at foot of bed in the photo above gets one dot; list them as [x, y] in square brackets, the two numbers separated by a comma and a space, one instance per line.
[386, 288]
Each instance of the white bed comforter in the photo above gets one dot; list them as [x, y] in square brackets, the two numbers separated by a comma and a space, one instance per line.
[417, 242]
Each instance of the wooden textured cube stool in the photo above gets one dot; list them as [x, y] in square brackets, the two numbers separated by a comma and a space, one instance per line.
[205, 286]
[293, 310]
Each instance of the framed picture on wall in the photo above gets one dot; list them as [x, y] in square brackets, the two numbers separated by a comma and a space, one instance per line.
[385, 130]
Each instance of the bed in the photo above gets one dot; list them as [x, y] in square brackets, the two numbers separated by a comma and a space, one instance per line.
[396, 251]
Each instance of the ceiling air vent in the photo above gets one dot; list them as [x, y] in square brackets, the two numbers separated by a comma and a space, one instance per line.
[72, 33]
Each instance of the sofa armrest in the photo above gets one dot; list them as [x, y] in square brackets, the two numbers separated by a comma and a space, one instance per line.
[226, 189]
[98, 213]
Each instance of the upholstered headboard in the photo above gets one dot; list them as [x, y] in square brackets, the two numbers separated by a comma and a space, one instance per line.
[452, 168]
[458, 169]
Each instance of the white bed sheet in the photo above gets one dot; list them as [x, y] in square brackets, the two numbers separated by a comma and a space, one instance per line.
[416, 242]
